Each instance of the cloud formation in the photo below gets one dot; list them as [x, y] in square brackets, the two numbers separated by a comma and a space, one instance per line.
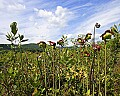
[16, 7]
[50, 19]
[48, 24]
[59, 18]
[106, 14]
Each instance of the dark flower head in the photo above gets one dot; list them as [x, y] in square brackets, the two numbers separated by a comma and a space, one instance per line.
[80, 41]
[97, 25]
[60, 42]
[96, 47]
[72, 55]
[88, 36]
[42, 44]
[107, 35]
[86, 54]
[52, 44]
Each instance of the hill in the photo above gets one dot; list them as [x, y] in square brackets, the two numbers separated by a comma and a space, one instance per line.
[30, 47]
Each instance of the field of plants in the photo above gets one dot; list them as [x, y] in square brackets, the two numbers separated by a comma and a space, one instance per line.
[84, 69]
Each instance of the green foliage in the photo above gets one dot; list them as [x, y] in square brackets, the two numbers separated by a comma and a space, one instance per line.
[62, 71]
[14, 28]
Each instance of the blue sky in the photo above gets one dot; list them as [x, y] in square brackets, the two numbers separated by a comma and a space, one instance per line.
[50, 19]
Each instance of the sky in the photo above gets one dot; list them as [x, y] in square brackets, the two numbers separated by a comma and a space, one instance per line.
[45, 20]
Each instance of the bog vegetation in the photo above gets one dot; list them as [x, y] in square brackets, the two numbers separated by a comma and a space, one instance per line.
[84, 69]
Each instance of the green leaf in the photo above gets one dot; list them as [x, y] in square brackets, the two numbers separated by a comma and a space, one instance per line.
[21, 37]
[16, 37]
[88, 92]
[7, 36]
[115, 27]
[14, 74]
[114, 30]
[43, 90]
[9, 40]
[10, 70]
[15, 86]
[35, 91]
[70, 61]
[100, 94]
[14, 28]
[24, 40]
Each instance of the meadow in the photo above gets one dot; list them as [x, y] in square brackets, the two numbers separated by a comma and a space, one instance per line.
[83, 69]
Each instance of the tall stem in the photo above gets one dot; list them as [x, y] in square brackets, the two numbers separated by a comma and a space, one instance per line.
[92, 68]
[59, 67]
[87, 73]
[99, 72]
[93, 64]
[53, 73]
[45, 71]
[105, 68]
[87, 69]
[83, 86]
[93, 89]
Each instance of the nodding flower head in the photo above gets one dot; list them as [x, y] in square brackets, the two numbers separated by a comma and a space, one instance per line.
[42, 44]
[52, 44]
[97, 25]
[88, 36]
[80, 41]
[60, 42]
[96, 47]
[107, 35]
[86, 54]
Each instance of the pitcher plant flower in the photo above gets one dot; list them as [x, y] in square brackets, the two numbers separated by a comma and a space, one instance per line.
[80, 41]
[60, 42]
[42, 44]
[107, 35]
[86, 54]
[88, 36]
[52, 44]
[97, 25]
[96, 47]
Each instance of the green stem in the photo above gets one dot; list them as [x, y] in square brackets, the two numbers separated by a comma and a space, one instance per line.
[83, 85]
[87, 68]
[93, 88]
[99, 72]
[59, 67]
[83, 69]
[45, 72]
[53, 73]
[87, 73]
[105, 68]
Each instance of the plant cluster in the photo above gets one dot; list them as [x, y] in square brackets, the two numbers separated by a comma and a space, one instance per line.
[61, 71]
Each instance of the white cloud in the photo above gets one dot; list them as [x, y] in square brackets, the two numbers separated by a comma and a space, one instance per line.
[82, 6]
[13, 5]
[68, 35]
[48, 25]
[16, 7]
[31, 18]
[35, 9]
[59, 18]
